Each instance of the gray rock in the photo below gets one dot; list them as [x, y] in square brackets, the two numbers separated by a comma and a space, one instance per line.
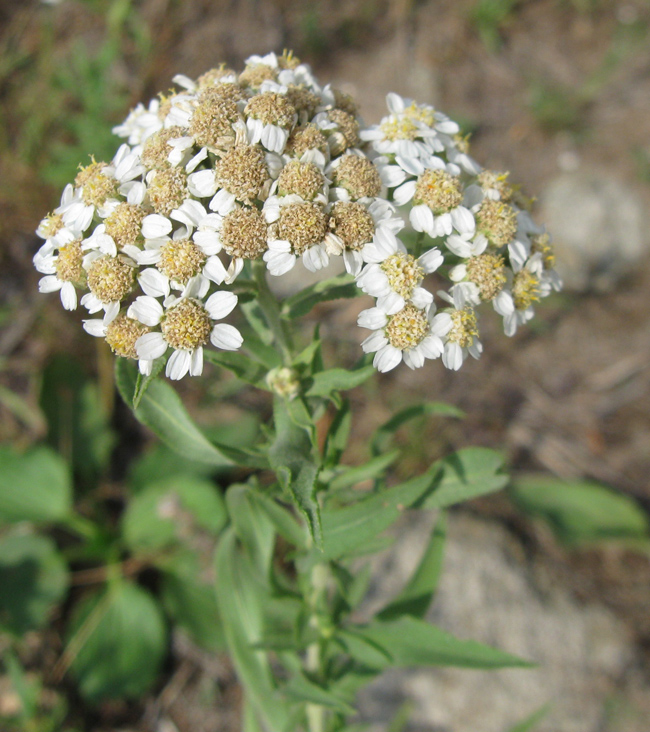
[600, 227]
[489, 593]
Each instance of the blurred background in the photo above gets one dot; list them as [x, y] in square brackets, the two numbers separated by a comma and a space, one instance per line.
[555, 91]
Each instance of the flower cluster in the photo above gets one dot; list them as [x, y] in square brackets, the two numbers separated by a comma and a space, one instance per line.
[269, 165]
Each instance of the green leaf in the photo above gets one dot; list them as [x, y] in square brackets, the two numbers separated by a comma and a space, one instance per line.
[373, 468]
[241, 366]
[338, 435]
[117, 642]
[252, 525]
[414, 642]
[241, 598]
[171, 511]
[144, 382]
[161, 462]
[34, 486]
[383, 435]
[300, 688]
[33, 579]
[531, 722]
[416, 597]
[78, 423]
[326, 382]
[163, 412]
[335, 288]
[282, 519]
[345, 530]
[465, 474]
[187, 593]
[291, 458]
[580, 512]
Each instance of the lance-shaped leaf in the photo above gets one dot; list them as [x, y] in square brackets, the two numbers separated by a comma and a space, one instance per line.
[144, 382]
[300, 688]
[241, 597]
[335, 288]
[529, 724]
[244, 368]
[416, 597]
[373, 468]
[326, 382]
[468, 473]
[291, 457]
[580, 511]
[411, 641]
[163, 412]
[345, 530]
[383, 435]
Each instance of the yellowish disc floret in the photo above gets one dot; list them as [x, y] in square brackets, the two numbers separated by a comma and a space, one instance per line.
[111, 279]
[244, 233]
[180, 259]
[124, 225]
[69, 263]
[167, 190]
[187, 325]
[243, 172]
[358, 176]
[352, 223]
[156, 147]
[464, 328]
[541, 244]
[96, 187]
[303, 225]
[487, 272]
[408, 328]
[497, 221]
[271, 109]
[525, 289]
[122, 333]
[306, 138]
[438, 190]
[403, 273]
[302, 179]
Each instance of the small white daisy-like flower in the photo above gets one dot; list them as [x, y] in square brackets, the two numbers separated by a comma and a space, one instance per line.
[121, 335]
[110, 279]
[186, 327]
[63, 270]
[270, 116]
[410, 335]
[362, 232]
[298, 229]
[394, 276]
[458, 327]
[140, 123]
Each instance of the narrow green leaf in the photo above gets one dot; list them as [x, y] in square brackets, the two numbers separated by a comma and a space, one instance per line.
[252, 525]
[338, 435]
[373, 468]
[240, 598]
[416, 597]
[163, 412]
[187, 593]
[531, 722]
[347, 529]
[580, 512]
[465, 474]
[335, 288]
[282, 519]
[33, 579]
[34, 486]
[241, 366]
[291, 458]
[414, 642]
[171, 511]
[144, 382]
[388, 429]
[117, 643]
[300, 688]
[326, 382]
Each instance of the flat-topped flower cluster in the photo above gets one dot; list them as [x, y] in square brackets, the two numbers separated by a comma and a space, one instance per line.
[269, 165]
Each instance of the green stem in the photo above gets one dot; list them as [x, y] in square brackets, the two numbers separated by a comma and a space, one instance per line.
[417, 249]
[271, 309]
[317, 601]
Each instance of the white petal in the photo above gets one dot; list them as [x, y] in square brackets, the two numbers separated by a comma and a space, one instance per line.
[154, 283]
[96, 328]
[391, 175]
[373, 318]
[202, 184]
[215, 270]
[421, 298]
[196, 363]
[279, 263]
[374, 342]
[431, 260]
[178, 365]
[463, 220]
[391, 303]
[223, 202]
[220, 304]
[452, 357]
[146, 310]
[226, 337]
[413, 358]
[315, 258]
[145, 366]
[422, 219]
[404, 193]
[51, 283]
[155, 226]
[150, 346]
[431, 346]
[410, 165]
[387, 358]
[69, 296]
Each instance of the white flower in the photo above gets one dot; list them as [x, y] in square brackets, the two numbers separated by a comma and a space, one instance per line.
[141, 123]
[394, 276]
[408, 335]
[459, 330]
[186, 327]
[527, 284]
